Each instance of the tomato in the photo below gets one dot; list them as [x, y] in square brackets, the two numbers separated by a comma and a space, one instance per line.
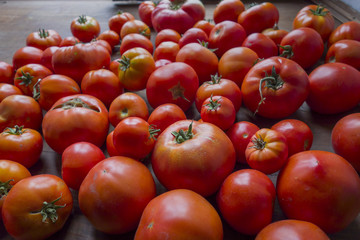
[200, 58]
[275, 87]
[28, 75]
[275, 34]
[110, 145]
[166, 50]
[261, 44]
[26, 55]
[165, 115]
[225, 36]
[135, 26]
[297, 133]
[193, 35]
[102, 84]
[103, 43]
[75, 61]
[43, 39]
[167, 35]
[240, 135]
[126, 105]
[133, 40]
[145, 10]
[236, 63]
[114, 194]
[179, 214]
[285, 229]
[345, 139]
[258, 17]
[348, 30]
[186, 155]
[316, 17]
[161, 62]
[205, 25]
[22, 145]
[113, 38]
[219, 111]
[173, 83]
[69, 41]
[8, 90]
[303, 45]
[37, 207]
[77, 160]
[228, 10]
[10, 173]
[338, 80]
[345, 51]
[20, 110]
[310, 188]
[117, 21]
[85, 28]
[177, 15]
[50, 89]
[246, 200]
[46, 58]
[136, 65]
[6, 73]
[75, 118]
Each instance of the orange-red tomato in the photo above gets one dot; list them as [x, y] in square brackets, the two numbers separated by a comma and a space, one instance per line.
[8, 90]
[167, 35]
[117, 21]
[349, 30]
[43, 39]
[85, 28]
[111, 37]
[6, 73]
[133, 40]
[345, 51]
[135, 26]
[205, 25]
[228, 10]
[166, 50]
[275, 34]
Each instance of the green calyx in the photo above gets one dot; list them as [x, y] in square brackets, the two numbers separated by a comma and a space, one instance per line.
[49, 210]
[176, 4]
[25, 79]
[319, 11]
[16, 130]
[206, 45]
[76, 103]
[288, 52]
[213, 105]
[253, 4]
[182, 136]
[215, 79]
[153, 132]
[144, 32]
[124, 63]
[5, 188]
[82, 19]
[43, 33]
[36, 90]
[259, 143]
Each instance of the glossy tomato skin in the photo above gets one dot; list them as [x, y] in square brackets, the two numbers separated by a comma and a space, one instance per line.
[205, 25]
[167, 35]
[193, 35]
[26, 55]
[21, 209]
[338, 80]
[145, 10]
[348, 30]
[345, 51]
[133, 40]
[85, 28]
[110, 145]
[117, 21]
[43, 39]
[69, 41]
[111, 37]
[345, 140]
[114, 194]
[46, 58]
[187, 215]
[7, 90]
[261, 44]
[199, 164]
[6, 73]
[75, 118]
[228, 10]
[246, 200]
[275, 34]
[291, 229]
[135, 26]
[166, 50]
[240, 134]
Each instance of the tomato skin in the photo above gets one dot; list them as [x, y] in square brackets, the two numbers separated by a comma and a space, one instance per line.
[114, 194]
[345, 51]
[69, 41]
[187, 215]
[348, 30]
[261, 44]
[8, 90]
[228, 10]
[110, 37]
[166, 50]
[145, 10]
[135, 26]
[110, 145]
[133, 40]
[322, 196]
[205, 25]
[275, 34]
[161, 62]
[291, 228]
[338, 80]
[85, 28]
[240, 134]
[193, 35]
[21, 209]
[26, 55]
[246, 200]
[43, 39]
[46, 58]
[345, 140]
[6, 73]
[117, 21]
[167, 35]
[199, 164]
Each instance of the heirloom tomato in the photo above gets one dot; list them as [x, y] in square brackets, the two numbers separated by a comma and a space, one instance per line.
[345, 51]
[228, 10]
[111, 37]
[135, 26]
[166, 50]
[118, 20]
[69, 41]
[103, 43]
[275, 33]
[161, 62]
[8, 90]
[6, 73]
[85, 28]
[133, 40]
[46, 58]
[193, 35]
[145, 10]
[167, 35]
[348, 30]
[205, 25]
[43, 39]
[261, 44]
[26, 55]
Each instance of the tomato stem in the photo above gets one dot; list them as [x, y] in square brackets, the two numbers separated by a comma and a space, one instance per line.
[76, 103]
[48, 210]
[253, 4]
[5, 187]
[320, 11]
[176, 4]
[82, 19]
[36, 90]
[213, 105]
[206, 45]
[26, 78]
[153, 132]
[181, 136]
[288, 52]
[215, 79]
[124, 63]
[16, 130]
[144, 32]
[259, 143]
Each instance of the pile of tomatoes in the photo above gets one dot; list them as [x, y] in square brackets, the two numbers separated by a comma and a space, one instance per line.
[70, 93]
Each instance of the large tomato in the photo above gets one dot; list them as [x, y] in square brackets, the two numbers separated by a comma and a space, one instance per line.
[349, 30]
[310, 188]
[193, 155]
[43, 39]
[114, 194]
[179, 15]
[7, 89]
[345, 51]
[74, 119]
[6, 73]
[228, 10]
[275, 87]
[26, 55]
[177, 215]
[37, 207]
[145, 10]
[85, 28]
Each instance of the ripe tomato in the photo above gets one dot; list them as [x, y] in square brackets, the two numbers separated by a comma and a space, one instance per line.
[69, 41]
[26, 55]
[46, 58]
[117, 21]
[37, 207]
[193, 35]
[6, 73]
[310, 188]
[275, 34]
[103, 43]
[179, 214]
[348, 30]
[110, 37]
[186, 155]
[77, 160]
[75, 118]
[8, 90]
[240, 135]
[110, 145]
[228, 10]
[345, 51]
[166, 50]
[43, 39]
[145, 10]
[22, 145]
[133, 40]
[205, 25]
[114, 194]
[85, 28]
[135, 26]
[246, 200]
[167, 35]
[261, 44]
[161, 62]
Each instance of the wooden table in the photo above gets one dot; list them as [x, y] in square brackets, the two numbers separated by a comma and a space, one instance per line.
[19, 18]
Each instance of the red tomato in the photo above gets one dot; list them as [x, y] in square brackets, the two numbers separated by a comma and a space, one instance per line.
[37, 207]
[246, 200]
[345, 51]
[46, 58]
[43, 39]
[258, 17]
[161, 62]
[316, 17]
[133, 40]
[114, 194]
[240, 135]
[205, 25]
[275, 34]
[285, 89]
[348, 30]
[111, 37]
[166, 50]
[179, 214]
[85, 28]
[25, 56]
[135, 26]
[110, 145]
[103, 43]
[22, 145]
[75, 118]
[186, 155]
[6, 73]
[8, 90]
[77, 160]
[338, 80]
[310, 188]
[117, 21]
[167, 35]
[145, 10]
[228, 10]
[345, 139]
[261, 44]
[69, 41]
[173, 83]
[291, 228]
[193, 35]
[267, 151]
